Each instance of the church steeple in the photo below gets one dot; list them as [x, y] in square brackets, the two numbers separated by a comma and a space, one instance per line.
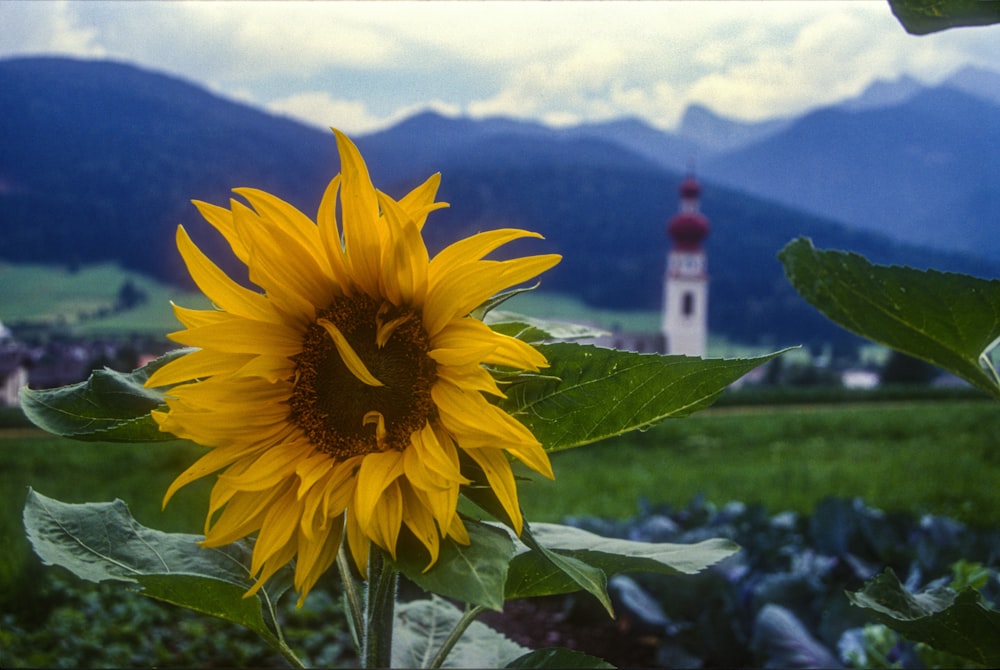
[685, 285]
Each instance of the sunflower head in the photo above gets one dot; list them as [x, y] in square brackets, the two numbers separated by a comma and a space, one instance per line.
[337, 398]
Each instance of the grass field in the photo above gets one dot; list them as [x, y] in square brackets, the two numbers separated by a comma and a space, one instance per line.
[935, 457]
[53, 295]
[939, 458]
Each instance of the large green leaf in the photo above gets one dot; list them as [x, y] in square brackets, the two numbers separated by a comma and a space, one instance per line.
[537, 330]
[422, 626]
[950, 320]
[101, 541]
[474, 574]
[558, 657]
[109, 407]
[590, 393]
[920, 17]
[529, 576]
[568, 569]
[958, 623]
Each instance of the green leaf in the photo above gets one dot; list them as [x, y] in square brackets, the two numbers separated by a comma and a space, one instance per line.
[558, 657]
[101, 541]
[422, 626]
[920, 17]
[474, 574]
[950, 320]
[537, 330]
[590, 393]
[961, 624]
[530, 576]
[109, 407]
[568, 570]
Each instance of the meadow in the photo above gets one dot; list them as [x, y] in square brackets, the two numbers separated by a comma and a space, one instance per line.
[935, 457]
[918, 456]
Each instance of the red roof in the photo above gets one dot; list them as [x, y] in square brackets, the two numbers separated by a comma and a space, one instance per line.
[688, 230]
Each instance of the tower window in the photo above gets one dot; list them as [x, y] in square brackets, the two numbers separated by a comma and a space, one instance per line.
[687, 304]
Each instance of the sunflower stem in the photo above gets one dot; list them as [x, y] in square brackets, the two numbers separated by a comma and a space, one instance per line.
[463, 624]
[380, 611]
[353, 597]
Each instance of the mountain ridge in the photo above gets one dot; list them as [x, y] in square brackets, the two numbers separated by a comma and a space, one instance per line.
[99, 161]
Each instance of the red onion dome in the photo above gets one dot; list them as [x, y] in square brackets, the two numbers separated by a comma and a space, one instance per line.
[688, 230]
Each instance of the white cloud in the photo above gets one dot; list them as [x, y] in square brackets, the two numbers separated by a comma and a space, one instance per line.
[364, 64]
[320, 109]
[45, 27]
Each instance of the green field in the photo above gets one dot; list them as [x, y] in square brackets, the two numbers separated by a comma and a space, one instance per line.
[934, 457]
[54, 296]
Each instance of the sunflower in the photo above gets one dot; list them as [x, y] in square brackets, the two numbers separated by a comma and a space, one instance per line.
[337, 401]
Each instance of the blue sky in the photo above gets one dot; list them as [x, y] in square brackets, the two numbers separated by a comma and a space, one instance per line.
[362, 66]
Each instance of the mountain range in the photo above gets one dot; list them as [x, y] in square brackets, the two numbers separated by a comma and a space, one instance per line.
[99, 159]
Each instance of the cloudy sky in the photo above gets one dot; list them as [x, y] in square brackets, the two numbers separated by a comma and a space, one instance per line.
[362, 66]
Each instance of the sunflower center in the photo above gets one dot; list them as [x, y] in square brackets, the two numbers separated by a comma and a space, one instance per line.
[363, 377]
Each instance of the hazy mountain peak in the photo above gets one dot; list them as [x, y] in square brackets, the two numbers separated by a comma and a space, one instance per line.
[717, 133]
[976, 81]
[884, 93]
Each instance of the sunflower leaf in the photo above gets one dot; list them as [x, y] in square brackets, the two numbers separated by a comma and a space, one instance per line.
[921, 17]
[959, 623]
[103, 542]
[110, 406]
[537, 330]
[474, 574]
[950, 320]
[592, 393]
[530, 576]
[422, 626]
[585, 576]
[558, 657]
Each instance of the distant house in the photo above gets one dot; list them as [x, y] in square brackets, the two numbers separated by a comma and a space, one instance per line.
[13, 375]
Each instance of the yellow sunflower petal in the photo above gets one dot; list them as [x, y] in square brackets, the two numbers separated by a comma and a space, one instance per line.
[219, 288]
[192, 318]
[290, 220]
[420, 201]
[222, 220]
[348, 355]
[277, 529]
[243, 336]
[359, 208]
[271, 468]
[472, 249]
[514, 353]
[271, 566]
[458, 532]
[501, 480]
[315, 555]
[216, 459]
[377, 472]
[281, 266]
[197, 364]
[358, 543]
[421, 523]
[388, 518]
[472, 377]
[404, 258]
[330, 236]
[463, 341]
[467, 286]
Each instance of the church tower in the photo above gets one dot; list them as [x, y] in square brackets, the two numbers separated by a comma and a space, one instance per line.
[685, 285]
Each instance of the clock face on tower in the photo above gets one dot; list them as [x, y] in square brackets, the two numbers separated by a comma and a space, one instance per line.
[688, 264]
